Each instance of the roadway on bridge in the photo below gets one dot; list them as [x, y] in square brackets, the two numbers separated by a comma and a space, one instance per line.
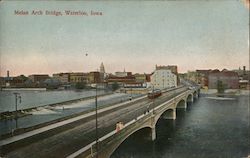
[64, 142]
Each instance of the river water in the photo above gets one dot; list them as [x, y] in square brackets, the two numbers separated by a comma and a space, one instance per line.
[209, 128]
[37, 98]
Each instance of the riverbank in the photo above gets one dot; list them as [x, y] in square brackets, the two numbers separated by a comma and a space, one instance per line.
[227, 92]
[24, 129]
[23, 89]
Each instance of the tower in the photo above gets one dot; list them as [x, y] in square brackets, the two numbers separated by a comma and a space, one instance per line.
[102, 69]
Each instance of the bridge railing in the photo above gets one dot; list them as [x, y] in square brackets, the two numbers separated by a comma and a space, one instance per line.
[90, 149]
[173, 100]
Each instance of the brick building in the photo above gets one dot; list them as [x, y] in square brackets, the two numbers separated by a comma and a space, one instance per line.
[229, 79]
[38, 78]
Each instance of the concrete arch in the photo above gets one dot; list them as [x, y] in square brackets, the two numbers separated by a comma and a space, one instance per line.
[169, 114]
[195, 95]
[181, 104]
[119, 142]
[190, 98]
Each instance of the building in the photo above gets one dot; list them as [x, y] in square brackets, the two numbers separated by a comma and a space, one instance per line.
[94, 77]
[2, 82]
[163, 78]
[172, 68]
[134, 85]
[243, 73]
[78, 77]
[244, 77]
[38, 78]
[229, 79]
[62, 77]
[148, 77]
[121, 80]
[192, 76]
[202, 77]
[123, 74]
[140, 78]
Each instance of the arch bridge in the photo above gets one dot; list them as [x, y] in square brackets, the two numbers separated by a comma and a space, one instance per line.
[110, 142]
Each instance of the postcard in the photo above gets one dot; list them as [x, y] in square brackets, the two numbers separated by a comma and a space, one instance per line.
[122, 79]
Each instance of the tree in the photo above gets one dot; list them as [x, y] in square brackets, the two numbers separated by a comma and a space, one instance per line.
[115, 86]
[220, 87]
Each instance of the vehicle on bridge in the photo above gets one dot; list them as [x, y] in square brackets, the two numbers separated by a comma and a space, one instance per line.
[154, 94]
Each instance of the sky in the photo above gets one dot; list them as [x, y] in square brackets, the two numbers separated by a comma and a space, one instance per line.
[130, 35]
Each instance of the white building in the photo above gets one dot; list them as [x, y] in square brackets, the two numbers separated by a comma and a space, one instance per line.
[162, 79]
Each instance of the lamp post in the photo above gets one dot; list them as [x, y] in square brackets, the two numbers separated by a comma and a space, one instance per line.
[17, 97]
[96, 123]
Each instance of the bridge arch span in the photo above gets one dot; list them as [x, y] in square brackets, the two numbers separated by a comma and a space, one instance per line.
[181, 104]
[190, 98]
[115, 146]
[167, 114]
[195, 95]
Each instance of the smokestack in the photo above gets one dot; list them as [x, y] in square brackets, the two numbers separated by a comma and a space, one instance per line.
[244, 70]
[8, 73]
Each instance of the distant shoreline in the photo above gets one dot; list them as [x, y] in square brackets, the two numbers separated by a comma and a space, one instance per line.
[227, 92]
[24, 89]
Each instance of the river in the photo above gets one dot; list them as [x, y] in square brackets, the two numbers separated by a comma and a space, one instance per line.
[209, 128]
[30, 99]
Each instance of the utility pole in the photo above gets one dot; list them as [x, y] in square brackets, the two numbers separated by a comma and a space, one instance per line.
[17, 97]
[96, 123]
[153, 101]
[130, 98]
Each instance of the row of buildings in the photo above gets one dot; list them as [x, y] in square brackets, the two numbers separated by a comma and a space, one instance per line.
[162, 77]
[44, 80]
[234, 79]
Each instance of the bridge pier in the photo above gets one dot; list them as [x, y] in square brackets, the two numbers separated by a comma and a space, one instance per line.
[196, 96]
[153, 134]
[191, 100]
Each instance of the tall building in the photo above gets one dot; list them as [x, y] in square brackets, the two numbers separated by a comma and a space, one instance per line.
[102, 69]
[163, 78]
[172, 68]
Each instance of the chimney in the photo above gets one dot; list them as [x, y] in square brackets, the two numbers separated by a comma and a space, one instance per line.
[8, 73]
[244, 70]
